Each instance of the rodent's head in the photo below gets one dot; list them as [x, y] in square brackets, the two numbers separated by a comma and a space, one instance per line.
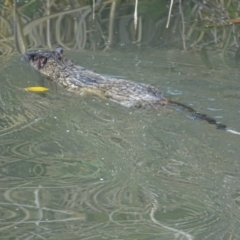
[49, 63]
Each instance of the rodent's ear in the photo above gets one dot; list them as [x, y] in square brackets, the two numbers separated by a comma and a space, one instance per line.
[41, 61]
[59, 50]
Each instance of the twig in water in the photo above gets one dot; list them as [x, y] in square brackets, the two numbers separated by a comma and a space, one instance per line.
[169, 13]
[183, 25]
[93, 16]
[135, 15]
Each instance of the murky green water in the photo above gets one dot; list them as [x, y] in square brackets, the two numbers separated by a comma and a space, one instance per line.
[86, 168]
[74, 167]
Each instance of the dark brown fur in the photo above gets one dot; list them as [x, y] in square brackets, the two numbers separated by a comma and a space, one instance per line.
[57, 67]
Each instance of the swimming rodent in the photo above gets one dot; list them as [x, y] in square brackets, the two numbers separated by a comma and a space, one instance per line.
[55, 66]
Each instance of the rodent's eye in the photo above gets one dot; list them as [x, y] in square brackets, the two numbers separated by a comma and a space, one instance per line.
[41, 61]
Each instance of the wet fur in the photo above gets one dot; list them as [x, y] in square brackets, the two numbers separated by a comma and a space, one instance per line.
[54, 65]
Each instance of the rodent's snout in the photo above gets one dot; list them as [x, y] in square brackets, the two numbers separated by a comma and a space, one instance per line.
[28, 56]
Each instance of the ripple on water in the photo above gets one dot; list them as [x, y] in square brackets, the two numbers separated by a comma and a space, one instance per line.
[90, 169]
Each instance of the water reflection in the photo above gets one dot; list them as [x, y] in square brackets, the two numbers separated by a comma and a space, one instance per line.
[107, 24]
[84, 168]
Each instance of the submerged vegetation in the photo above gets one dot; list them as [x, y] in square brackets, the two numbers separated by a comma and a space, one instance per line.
[83, 168]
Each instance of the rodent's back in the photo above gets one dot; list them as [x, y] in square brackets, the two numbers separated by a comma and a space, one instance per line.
[75, 78]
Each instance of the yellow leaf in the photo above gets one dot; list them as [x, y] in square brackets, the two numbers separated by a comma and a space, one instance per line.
[36, 89]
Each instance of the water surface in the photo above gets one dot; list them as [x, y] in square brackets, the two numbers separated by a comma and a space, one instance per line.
[74, 167]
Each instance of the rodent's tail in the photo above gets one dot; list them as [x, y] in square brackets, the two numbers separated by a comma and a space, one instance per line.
[201, 116]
